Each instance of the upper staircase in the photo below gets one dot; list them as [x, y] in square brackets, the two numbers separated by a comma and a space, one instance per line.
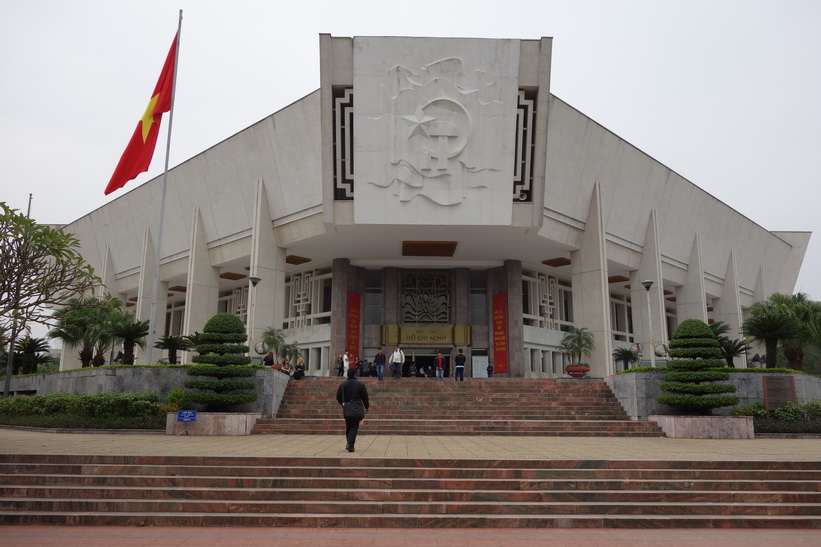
[497, 406]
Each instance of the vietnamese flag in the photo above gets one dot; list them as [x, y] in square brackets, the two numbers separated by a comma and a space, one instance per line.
[140, 149]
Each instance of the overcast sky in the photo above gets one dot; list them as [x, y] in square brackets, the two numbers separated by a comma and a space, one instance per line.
[726, 93]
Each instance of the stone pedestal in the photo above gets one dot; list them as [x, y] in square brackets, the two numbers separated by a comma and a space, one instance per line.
[213, 423]
[705, 427]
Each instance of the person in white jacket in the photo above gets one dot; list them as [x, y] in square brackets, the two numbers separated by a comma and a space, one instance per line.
[397, 360]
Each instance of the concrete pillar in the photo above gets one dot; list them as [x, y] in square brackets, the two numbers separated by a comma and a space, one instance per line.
[649, 270]
[266, 305]
[202, 285]
[515, 328]
[691, 299]
[591, 291]
[109, 282]
[142, 309]
[339, 308]
[461, 296]
[727, 307]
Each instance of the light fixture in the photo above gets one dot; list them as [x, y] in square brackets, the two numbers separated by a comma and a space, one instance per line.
[254, 280]
[647, 284]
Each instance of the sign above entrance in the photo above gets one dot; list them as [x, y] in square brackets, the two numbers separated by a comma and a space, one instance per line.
[426, 335]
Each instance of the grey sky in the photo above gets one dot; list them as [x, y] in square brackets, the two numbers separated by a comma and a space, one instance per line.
[726, 93]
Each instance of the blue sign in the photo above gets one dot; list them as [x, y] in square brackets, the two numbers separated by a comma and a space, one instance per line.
[187, 416]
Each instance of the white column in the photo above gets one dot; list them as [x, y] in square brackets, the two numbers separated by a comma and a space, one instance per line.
[591, 291]
[649, 270]
[727, 307]
[109, 282]
[143, 308]
[266, 306]
[202, 285]
[691, 299]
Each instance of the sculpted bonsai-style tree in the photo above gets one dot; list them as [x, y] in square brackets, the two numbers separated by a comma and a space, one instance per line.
[695, 354]
[222, 358]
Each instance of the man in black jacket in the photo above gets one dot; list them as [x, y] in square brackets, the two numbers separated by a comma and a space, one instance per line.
[351, 391]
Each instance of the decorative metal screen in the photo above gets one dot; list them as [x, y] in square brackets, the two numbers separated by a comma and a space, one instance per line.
[426, 297]
[525, 144]
[307, 298]
[343, 143]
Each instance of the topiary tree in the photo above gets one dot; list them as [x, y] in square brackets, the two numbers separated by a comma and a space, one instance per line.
[221, 357]
[694, 351]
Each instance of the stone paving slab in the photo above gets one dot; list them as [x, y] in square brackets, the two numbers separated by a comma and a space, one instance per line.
[18, 441]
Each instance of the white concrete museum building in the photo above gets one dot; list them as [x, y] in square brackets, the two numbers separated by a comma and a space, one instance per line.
[434, 194]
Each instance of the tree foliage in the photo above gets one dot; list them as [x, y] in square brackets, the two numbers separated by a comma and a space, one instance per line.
[787, 319]
[39, 266]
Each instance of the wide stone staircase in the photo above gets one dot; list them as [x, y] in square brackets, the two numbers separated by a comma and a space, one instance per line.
[498, 406]
[384, 492]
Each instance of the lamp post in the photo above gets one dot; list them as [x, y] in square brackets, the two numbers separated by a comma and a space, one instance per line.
[252, 297]
[647, 284]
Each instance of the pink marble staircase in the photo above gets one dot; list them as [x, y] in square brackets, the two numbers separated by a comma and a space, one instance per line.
[499, 406]
[385, 492]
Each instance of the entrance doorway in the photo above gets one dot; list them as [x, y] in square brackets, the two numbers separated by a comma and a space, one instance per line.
[419, 362]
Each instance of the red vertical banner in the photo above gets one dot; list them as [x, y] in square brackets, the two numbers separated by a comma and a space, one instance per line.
[500, 333]
[354, 314]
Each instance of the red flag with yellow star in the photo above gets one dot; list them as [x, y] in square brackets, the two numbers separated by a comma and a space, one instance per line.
[140, 149]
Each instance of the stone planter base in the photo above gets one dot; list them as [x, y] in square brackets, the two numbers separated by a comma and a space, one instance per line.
[213, 423]
[705, 427]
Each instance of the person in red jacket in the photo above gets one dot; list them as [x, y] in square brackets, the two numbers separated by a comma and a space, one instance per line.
[439, 365]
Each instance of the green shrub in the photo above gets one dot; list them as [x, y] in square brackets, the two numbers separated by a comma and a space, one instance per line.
[696, 389]
[711, 375]
[219, 385]
[213, 359]
[221, 348]
[642, 369]
[227, 323]
[696, 403]
[791, 418]
[237, 371]
[696, 354]
[102, 411]
[682, 343]
[755, 409]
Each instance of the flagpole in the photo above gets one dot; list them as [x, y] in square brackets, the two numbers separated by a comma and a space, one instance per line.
[152, 320]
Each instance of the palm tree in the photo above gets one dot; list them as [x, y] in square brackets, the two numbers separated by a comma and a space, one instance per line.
[194, 339]
[33, 352]
[275, 340]
[124, 326]
[730, 349]
[173, 344]
[291, 351]
[768, 324]
[76, 326]
[720, 329]
[625, 357]
[577, 343]
[804, 311]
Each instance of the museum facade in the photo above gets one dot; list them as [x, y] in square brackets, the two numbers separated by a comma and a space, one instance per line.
[434, 194]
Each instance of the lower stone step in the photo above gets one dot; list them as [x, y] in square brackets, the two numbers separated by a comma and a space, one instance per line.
[279, 519]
